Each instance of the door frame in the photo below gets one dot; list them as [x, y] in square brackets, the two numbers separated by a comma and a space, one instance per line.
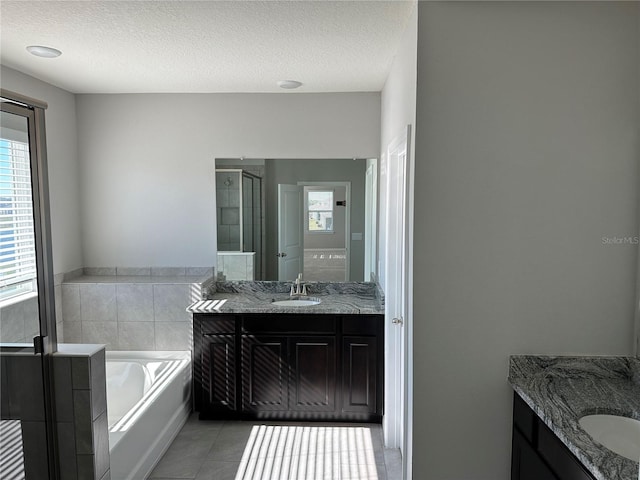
[400, 422]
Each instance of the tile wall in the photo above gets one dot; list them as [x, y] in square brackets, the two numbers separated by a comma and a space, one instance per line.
[22, 401]
[81, 410]
[127, 309]
[19, 319]
[236, 266]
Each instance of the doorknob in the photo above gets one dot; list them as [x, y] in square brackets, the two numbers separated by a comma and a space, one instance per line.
[397, 321]
[281, 254]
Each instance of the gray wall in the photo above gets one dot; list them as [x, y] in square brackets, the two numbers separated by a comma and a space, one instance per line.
[147, 176]
[527, 155]
[293, 171]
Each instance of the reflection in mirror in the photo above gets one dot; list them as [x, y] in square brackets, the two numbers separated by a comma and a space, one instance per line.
[327, 232]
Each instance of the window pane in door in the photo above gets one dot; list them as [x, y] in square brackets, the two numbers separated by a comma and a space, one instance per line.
[320, 210]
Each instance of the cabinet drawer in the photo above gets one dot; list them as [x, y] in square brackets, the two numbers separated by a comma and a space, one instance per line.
[361, 325]
[289, 324]
[216, 324]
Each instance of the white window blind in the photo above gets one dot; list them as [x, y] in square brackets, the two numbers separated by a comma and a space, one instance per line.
[17, 239]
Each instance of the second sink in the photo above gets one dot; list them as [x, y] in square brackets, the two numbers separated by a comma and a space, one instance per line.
[619, 434]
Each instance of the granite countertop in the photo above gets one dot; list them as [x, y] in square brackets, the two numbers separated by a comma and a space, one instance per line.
[561, 390]
[257, 297]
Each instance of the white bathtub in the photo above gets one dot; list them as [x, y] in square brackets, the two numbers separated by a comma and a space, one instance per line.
[148, 402]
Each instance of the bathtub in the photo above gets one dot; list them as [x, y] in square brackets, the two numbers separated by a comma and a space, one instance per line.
[148, 402]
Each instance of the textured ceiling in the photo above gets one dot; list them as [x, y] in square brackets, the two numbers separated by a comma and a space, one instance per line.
[206, 46]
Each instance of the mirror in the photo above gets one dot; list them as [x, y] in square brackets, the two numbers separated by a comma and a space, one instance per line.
[280, 216]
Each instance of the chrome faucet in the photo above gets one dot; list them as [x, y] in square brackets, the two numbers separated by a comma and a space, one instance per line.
[298, 288]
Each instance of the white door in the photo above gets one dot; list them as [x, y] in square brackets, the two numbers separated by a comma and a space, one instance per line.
[395, 420]
[290, 246]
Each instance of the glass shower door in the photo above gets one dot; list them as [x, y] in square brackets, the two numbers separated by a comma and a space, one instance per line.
[27, 446]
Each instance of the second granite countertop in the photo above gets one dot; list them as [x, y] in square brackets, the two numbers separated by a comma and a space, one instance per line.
[353, 298]
[561, 390]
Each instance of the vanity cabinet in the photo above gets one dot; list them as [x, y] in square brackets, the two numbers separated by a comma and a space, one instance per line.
[537, 454]
[288, 366]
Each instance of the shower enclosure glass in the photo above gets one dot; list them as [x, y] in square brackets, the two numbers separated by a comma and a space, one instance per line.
[239, 212]
[27, 313]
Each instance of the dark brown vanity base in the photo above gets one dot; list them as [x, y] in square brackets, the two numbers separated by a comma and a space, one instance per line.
[288, 366]
[537, 454]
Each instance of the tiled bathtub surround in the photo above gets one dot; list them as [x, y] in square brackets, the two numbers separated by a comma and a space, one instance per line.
[563, 389]
[81, 411]
[21, 400]
[19, 319]
[141, 309]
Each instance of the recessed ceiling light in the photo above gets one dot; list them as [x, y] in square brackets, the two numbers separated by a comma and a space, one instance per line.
[42, 51]
[289, 84]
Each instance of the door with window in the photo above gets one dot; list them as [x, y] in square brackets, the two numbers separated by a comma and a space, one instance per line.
[27, 322]
[326, 243]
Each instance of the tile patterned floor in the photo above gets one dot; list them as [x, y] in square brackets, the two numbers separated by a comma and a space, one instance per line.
[210, 450]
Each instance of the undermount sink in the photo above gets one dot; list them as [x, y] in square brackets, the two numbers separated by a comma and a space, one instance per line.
[619, 434]
[297, 302]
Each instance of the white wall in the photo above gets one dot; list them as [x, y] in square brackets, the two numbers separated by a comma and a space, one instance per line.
[148, 162]
[64, 185]
[398, 109]
[527, 154]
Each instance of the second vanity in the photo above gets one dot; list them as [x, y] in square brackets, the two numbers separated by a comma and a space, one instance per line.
[551, 395]
[254, 358]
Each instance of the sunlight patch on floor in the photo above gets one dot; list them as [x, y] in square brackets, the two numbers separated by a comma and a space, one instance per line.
[308, 452]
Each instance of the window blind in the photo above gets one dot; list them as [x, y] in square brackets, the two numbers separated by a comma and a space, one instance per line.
[17, 239]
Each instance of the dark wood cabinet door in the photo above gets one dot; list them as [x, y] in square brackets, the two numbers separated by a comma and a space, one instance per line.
[526, 464]
[359, 359]
[313, 374]
[559, 458]
[288, 366]
[218, 361]
[265, 373]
